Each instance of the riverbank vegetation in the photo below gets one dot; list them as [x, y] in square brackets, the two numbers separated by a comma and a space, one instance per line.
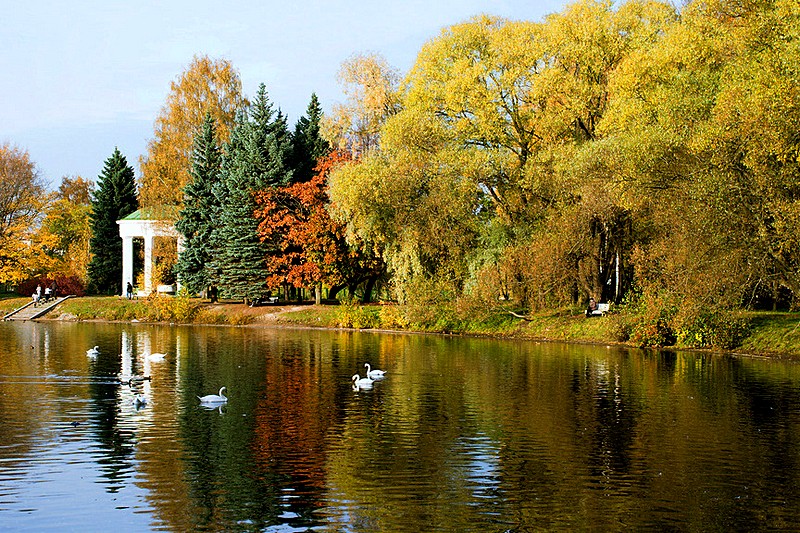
[639, 153]
[761, 332]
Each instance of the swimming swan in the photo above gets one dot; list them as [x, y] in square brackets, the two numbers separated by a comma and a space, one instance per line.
[156, 356]
[362, 383]
[92, 352]
[214, 398]
[140, 400]
[374, 374]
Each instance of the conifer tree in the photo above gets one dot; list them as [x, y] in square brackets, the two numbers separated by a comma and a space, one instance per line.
[308, 146]
[200, 210]
[114, 199]
[256, 158]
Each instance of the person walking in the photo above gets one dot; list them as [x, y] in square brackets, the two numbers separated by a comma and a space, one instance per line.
[129, 291]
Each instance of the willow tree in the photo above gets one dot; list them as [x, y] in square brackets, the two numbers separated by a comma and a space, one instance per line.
[707, 119]
[207, 87]
[450, 154]
[474, 167]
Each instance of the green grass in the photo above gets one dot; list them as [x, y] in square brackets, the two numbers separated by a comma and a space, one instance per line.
[103, 308]
[773, 333]
[312, 315]
[9, 302]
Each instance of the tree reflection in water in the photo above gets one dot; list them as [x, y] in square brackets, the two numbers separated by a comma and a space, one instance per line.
[463, 434]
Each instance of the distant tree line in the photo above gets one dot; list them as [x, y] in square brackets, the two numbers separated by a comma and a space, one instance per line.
[633, 152]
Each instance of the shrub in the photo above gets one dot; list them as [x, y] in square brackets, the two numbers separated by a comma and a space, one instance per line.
[181, 308]
[66, 285]
[392, 317]
[653, 315]
[240, 319]
[620, 326]
[208, 316]
[351, 315]
[705, 326]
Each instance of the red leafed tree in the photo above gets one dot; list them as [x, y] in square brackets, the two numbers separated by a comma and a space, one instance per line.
[309, 247]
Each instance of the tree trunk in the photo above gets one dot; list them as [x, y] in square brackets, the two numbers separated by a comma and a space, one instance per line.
[333, 291]
[368, 290]
[318, 294]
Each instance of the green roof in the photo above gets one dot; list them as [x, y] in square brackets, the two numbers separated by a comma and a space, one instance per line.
[161, 212]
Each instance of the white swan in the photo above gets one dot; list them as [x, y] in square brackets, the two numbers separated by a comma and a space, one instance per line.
[140, 400]
[156, 356]
[374, 374]
[214, 398]
[92, 352]
[362, 383]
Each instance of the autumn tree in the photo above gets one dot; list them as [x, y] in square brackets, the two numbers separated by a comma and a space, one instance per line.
[310, 247]
[256, 158]
[67, 220]
[23, 198]
[705, 118]
[206, 87]
[114, 199]
[371, 88]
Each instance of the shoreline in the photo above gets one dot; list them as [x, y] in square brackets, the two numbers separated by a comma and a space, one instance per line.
[558, 327]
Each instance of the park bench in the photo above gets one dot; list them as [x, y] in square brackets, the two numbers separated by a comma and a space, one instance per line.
[601, 310]
[264, 300]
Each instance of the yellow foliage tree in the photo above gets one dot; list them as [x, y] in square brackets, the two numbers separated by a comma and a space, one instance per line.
[207, 86]
[66, 226]
[371, 87]
[22, 200]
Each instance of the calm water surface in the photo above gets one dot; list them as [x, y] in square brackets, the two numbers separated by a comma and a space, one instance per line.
[462, 435]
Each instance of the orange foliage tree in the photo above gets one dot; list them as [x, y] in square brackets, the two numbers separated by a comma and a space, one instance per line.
[310, 247]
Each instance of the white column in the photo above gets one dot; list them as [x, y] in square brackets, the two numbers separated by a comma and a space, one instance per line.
[148, 263]
[180, 246]
[127, 263]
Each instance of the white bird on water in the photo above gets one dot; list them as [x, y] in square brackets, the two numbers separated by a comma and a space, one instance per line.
[214, 398]
[361, 383]
[374, 374]
[140, 400]
[156, 356]
[92, 352]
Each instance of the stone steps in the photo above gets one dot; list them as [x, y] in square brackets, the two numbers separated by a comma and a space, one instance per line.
[31, 312]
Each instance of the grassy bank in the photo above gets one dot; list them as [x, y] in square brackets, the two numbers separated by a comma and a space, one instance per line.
[771, 334]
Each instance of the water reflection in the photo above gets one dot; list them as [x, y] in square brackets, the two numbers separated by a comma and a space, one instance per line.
[462, 435]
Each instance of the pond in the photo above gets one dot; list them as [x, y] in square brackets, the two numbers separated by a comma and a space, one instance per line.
[463, 434]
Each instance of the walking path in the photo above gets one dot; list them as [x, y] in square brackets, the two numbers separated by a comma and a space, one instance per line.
[30, 311]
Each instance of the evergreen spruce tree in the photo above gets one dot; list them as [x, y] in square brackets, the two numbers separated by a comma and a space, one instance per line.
[257, 157]
[114, 199]
[200, 210]
[308, 146]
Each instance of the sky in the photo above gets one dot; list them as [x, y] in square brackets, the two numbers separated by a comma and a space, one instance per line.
[83, 77]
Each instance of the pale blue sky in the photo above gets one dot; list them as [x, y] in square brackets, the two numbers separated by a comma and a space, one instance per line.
[81, 77]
